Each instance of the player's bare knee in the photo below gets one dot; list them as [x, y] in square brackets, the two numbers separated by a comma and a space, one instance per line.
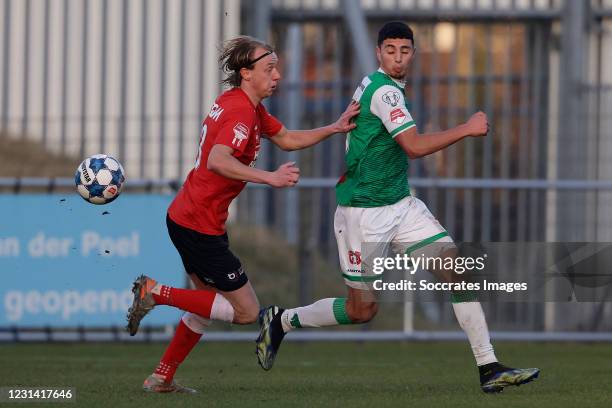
[371, 311]
[246, 316]
[362, 313]
[448, 274]
[252, 315]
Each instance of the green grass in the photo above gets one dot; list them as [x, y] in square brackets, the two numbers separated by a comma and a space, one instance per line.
[351, 374]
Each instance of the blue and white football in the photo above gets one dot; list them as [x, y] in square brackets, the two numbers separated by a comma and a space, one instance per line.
[99, 179]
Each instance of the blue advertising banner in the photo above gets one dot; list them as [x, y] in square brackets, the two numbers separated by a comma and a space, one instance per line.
[65, 262]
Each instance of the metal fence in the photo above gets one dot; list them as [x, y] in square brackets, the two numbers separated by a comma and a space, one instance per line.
[131, 78]
[535, 68]
[293, 274]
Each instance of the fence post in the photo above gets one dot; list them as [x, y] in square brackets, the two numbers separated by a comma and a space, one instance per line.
[572, 160]
[356, 23]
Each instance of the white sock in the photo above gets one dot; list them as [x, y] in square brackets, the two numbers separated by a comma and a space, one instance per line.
[324, 312]
[157, 289]
[472, 320]
[222, 309]
[196, 322]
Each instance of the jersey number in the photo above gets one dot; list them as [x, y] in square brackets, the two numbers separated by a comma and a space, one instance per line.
[202, 138]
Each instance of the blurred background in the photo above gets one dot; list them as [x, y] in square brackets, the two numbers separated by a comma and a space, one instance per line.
[134, 79]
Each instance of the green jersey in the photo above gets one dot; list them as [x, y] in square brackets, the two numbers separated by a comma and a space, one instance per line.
[377, 166]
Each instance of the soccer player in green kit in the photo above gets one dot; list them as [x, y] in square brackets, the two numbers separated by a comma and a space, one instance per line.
[375, 206]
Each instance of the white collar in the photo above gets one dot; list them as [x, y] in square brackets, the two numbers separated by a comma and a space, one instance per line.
[397, 81]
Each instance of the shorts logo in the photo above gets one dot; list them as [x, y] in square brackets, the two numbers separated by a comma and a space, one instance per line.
[354, 257]
[397, 116]
[241, 132]
[391, 98]
[233, 276]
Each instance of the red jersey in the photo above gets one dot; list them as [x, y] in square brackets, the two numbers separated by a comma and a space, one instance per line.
[202, 204]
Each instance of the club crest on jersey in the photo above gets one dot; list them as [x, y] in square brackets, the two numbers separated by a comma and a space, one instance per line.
[215, 112]
[397, 116]
[391, 98]
[241, 132]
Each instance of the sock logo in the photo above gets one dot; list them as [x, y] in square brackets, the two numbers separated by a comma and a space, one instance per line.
[295, 322]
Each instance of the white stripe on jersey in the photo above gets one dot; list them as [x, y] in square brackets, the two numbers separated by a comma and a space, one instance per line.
[362, 86]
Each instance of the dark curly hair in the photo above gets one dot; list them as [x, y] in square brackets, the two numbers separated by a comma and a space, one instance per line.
[395, 29]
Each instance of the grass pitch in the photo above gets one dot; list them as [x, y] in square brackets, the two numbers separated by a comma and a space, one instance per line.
[347, 374]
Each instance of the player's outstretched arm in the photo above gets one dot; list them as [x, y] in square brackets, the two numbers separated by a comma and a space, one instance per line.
[416, 145]
[299, 139]
[221, 161]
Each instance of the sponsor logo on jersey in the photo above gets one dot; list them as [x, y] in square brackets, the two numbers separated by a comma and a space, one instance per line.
[397, 116]
[252, 163]
[215, 112]
[241, 132]
[391, 98]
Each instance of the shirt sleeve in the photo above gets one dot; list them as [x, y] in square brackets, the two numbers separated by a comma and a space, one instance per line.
[235, 129]
[389, 106]
[269, 124]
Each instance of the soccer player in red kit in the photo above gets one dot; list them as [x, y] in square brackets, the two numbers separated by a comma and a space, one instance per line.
[229, 144]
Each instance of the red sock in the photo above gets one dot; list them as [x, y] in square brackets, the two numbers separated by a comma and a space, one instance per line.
[195, 301]
[182, 343]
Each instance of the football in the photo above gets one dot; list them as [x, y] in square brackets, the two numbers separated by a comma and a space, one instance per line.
[99, 179]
